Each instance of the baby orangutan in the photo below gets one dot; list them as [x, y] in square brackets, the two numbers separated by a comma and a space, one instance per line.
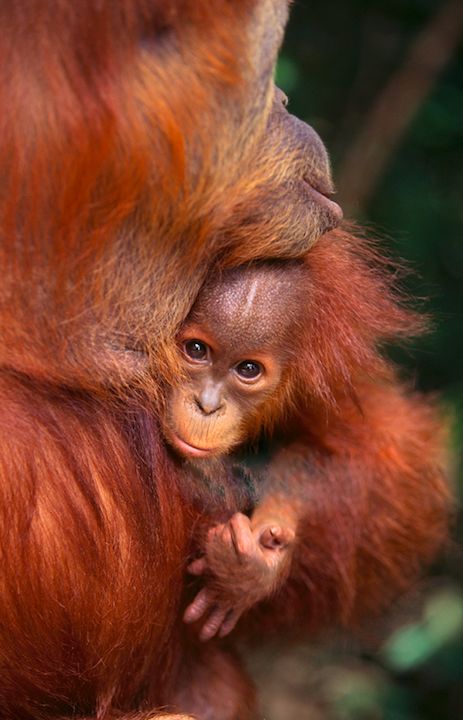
[237, 346]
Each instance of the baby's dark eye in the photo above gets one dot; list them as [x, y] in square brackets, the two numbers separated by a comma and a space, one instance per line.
[248, 370]
[195, 349]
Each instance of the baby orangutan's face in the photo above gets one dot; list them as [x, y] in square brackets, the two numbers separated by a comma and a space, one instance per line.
[235, 347]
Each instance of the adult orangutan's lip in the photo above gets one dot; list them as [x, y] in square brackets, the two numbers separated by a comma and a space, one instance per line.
[187, 449]
[322, 199]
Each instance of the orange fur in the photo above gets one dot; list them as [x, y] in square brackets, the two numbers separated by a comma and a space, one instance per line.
[141, 148]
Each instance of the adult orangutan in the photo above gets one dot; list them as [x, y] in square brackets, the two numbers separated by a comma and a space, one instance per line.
[143, 149]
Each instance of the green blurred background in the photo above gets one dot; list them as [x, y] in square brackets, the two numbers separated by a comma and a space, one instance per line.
[382, 83]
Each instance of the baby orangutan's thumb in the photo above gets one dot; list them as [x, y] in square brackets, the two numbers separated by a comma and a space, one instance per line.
[275, 537]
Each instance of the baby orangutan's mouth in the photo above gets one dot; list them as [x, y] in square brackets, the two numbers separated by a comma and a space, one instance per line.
[186, 449]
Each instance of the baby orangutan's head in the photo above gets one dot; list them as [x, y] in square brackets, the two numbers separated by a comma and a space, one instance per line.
[236, 346]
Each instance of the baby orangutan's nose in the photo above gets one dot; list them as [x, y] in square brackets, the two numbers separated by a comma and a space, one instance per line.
[209, 400]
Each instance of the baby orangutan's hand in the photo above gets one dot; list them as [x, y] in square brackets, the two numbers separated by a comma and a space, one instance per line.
[244, 564]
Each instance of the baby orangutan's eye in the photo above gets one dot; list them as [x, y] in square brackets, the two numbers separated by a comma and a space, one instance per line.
[195, 350]
[248, 370]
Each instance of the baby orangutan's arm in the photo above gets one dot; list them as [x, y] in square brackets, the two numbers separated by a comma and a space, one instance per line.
[245, 560]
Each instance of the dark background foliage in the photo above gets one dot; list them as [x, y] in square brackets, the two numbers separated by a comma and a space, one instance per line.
[382, 82]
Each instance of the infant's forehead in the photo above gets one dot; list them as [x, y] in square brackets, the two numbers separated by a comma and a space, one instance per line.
[259, 304]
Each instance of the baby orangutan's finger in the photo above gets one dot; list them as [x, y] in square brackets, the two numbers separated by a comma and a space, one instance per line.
[213, 623]
[229, 622]
[225, 535]
[198, 566]
[241, 535]
[214, 531]
[219, 535]
[202, 602]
